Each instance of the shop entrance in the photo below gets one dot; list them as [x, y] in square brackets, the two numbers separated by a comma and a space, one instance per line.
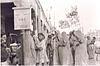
[7, 26]
[7, 15]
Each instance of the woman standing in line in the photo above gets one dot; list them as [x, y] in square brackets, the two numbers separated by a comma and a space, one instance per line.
[65, 51]
[42, 46]
[56, 43]
[72, 45]
[81, 56]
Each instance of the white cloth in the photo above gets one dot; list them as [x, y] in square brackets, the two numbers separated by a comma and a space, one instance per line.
[4, 63]
[65, 51]
[81, 56]
[43, 55]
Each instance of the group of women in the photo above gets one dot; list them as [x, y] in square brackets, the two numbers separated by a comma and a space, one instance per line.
[62, 49]
[57, 49]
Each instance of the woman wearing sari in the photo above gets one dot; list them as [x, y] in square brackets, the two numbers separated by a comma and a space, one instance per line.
[65, 51]
[56, 41]
[41, 55]
[42, 45]
[81, 56]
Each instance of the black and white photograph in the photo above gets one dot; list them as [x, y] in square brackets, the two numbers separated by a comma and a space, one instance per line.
[50, 32]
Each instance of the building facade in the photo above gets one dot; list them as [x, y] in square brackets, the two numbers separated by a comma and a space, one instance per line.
[13, 11]
[38, 14]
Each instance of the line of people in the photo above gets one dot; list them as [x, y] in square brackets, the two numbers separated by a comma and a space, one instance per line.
[64, 49]
[58, 49]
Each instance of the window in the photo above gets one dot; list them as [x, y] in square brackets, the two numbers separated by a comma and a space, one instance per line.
[32, 14]
[44, 27]
[33, 18]
[47, 31]
[41, 25]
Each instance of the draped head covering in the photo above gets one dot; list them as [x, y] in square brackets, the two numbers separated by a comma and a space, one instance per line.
[79, 35]
[41, 34]
[64, 37]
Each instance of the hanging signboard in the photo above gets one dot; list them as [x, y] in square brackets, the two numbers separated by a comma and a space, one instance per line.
[22, 18]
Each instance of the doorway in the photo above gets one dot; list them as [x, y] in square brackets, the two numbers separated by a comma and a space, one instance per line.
[7, 26]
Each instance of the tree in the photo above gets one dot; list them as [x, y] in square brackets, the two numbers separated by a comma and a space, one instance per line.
[72, 19]
[63, 24]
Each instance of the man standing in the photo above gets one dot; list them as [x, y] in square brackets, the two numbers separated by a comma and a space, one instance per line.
[4, 53]
[91, 50]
